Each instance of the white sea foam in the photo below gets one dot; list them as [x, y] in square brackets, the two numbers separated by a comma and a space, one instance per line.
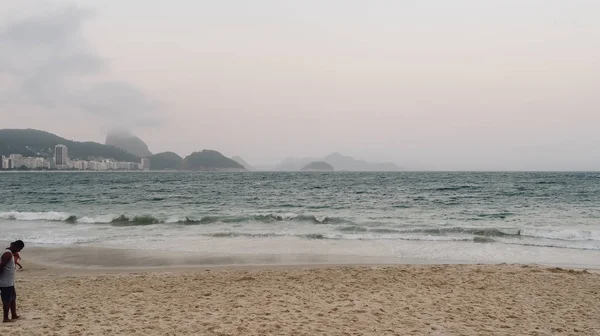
[174, 219]
[96, 219]
[33, 216]
[563, 234]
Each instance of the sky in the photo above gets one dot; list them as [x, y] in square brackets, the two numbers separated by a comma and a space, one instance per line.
[427, 84]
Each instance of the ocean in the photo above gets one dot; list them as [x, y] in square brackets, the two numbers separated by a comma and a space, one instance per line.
[545, 218]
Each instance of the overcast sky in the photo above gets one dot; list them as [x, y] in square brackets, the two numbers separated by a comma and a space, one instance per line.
[436, 84]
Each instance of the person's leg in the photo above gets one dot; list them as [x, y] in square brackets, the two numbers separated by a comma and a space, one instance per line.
[5, 303]
[13, 309]
[5, 307]
[13, 304]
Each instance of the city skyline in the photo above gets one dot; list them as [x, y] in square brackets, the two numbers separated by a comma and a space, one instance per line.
[61, 161]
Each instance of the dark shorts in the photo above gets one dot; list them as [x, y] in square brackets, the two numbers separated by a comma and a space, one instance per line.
[8, 293]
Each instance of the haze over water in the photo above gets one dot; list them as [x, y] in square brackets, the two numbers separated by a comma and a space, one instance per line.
[429, 85]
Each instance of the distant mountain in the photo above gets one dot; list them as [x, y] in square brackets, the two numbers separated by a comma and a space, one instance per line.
[347, 163]
[339, 162]
[30, 142]
[242, 162]
[128, 142]
[210, 160]
[166, 161]
[318, 166]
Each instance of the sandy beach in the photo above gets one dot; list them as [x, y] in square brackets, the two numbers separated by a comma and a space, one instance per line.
[323, 300]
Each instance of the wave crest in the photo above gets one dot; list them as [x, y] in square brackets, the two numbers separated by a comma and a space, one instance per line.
[125, 220]
[134, 221]
[35, 216]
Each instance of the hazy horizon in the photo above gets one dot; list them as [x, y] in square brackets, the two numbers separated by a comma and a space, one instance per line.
[436, 85]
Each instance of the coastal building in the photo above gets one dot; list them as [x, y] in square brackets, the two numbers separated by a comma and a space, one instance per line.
[92, 165]
[62, 161]
[112, 165]
[17, 161]
[14, 161]
[33, 163]
[80, 165]
[145, 165]
[61, 156]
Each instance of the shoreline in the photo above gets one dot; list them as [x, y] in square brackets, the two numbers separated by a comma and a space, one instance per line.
[103, 258]
[115, 259]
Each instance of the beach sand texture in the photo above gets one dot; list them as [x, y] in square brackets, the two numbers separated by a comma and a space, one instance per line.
[340, 300]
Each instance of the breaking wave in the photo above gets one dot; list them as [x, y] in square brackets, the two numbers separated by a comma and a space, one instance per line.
[35, 216]
[136, 220]
[127, 220]
[333, 228]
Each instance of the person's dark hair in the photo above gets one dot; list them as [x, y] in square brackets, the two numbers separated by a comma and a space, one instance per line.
[18, 244]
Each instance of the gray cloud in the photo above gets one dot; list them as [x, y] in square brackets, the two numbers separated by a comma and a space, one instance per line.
[49, 64]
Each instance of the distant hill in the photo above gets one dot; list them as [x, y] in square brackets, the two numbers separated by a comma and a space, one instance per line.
[241, 161]
[128, 142]
[339, 162]
[318, 166]
[166, 161]
[210, 160]
[30, 142]
[347, 163]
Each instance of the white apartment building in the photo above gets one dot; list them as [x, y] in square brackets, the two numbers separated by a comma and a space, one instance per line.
[32, 163]
[5, 162]
[16, 161]
[145, 165]
[80, 165]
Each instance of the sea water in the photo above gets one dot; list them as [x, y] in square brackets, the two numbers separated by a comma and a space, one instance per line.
[549, 218]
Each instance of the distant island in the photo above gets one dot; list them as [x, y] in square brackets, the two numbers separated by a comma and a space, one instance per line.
[210, 160]
[340, 163]
[318, 166]
[347, 163]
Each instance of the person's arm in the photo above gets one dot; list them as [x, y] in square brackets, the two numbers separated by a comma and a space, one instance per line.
[5, 260]
[17, 258]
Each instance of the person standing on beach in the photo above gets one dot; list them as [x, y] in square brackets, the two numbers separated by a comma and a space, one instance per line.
[7, 280]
